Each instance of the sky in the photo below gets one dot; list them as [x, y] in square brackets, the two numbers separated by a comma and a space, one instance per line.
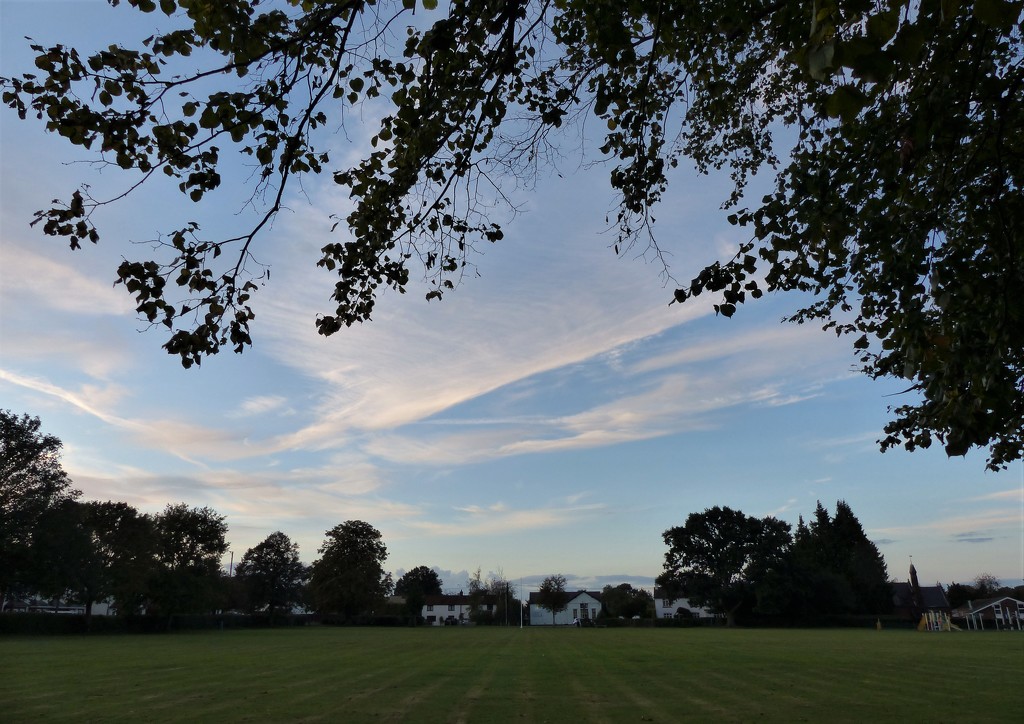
[554, 414]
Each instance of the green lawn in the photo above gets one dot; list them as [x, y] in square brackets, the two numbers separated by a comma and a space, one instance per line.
[501, 675]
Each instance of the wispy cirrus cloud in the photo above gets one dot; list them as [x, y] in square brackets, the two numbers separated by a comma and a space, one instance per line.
[495, 519]
[784, 508]
[261, 405]
[969, 525]
[44, 281]
[182, 438]
[655, 400]
[90, 399]
[1011, 494]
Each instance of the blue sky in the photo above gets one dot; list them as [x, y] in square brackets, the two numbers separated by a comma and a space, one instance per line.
[553, 415]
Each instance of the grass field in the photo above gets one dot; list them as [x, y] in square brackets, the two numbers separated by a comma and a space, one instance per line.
[505, 675]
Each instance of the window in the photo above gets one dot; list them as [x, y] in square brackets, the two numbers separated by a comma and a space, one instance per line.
[451, 606]
[430, 607]
[666, 603]
[584, 611]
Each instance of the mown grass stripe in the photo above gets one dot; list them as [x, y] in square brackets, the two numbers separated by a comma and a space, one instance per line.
[512, 675]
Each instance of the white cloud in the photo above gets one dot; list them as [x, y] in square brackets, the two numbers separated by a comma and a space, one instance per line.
[784, 508]
[260, 405]
[43, 281]
[679, 392]
[981, 520]
[90, 399]
[490, 520]
[185, 439]
[1011, 494]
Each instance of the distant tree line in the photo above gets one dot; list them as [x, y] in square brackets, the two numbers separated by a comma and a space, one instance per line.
[53, 544]
[742, 567]
[983, 586]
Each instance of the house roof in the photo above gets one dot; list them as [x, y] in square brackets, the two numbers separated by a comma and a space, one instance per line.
[983, 603]
[927, 596]
[456, 599]
[570, 596]
[666, 594]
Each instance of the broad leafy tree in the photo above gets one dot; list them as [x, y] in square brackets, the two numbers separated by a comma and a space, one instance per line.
[626, 602]
[718, 557]
[272, 574]
[897, 205]
[62, 564]
[190, 543]
[32, 482]
[92, 551]
[552, 595]
[349, 577]
[124, 554]
[416, 585]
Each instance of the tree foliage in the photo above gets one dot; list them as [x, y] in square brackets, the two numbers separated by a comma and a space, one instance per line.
[416, 585]
[62, 563]
[32, 482]
[190, 543]
[124, 554]
[552, 594]
[984, 585]
[831, 568]
[508, 609]
[94, 551]
[734, 563]
[349, 577]
[422, 579]
[718, 557]
[898, 205]
[624, 601]
[838, 544]
[492, 600]
[272, 574]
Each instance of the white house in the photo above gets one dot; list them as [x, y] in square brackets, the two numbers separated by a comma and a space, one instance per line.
[667, 607]
[452, 608]
[582, 606]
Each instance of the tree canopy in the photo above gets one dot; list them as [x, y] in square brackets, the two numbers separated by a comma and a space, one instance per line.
[624, 601]
[422, 579]
[893, 129]
[831, 568]
[738, 565]
[32, 482]
[552, 594]
[349, 577]
[718, 557]
[190, 542]
[272, 574]
[416, 585]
